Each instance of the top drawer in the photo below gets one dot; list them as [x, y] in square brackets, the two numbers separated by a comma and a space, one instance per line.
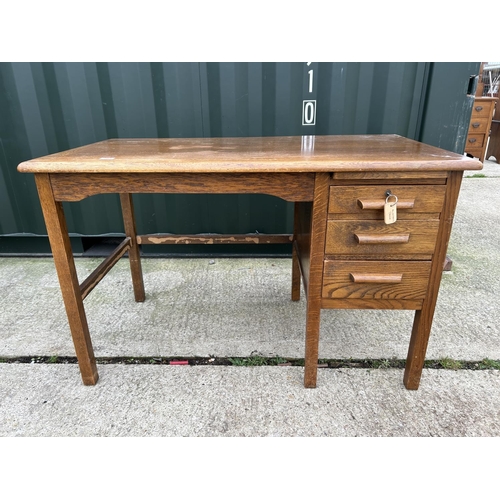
[481, 110]
[367, 202]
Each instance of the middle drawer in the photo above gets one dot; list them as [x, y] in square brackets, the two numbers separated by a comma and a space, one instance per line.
[478, 125]
[405, 239]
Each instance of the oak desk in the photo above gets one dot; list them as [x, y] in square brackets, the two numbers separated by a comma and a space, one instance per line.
[347, 256]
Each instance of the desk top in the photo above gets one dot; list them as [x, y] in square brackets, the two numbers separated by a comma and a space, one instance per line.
[318, 153]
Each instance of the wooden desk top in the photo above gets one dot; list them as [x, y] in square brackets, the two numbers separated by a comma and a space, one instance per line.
[353, 153]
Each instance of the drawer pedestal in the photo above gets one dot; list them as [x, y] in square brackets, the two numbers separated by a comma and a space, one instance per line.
[364, 263]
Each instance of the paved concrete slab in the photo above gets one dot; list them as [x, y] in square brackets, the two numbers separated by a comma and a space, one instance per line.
[236, 307]
[49, 400]
[490, 169]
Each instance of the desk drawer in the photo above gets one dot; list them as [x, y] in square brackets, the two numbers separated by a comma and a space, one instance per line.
[375, 280]
[475, 152]
[367, 202]
[481, 110]
[478, 126]
[375, 239]
[474, 141]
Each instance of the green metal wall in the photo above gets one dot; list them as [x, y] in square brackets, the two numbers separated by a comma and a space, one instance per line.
[50, 107]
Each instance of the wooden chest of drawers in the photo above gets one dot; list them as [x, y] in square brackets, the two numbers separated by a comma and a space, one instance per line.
[480, 125]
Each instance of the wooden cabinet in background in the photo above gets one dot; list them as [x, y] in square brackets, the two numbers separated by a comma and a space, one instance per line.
[480, 125]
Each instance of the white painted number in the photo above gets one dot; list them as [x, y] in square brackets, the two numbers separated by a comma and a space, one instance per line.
[309, 113]
[309, 105]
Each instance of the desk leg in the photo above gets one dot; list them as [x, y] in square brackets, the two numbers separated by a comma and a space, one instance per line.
[423, 318]
[65, 266]
[315, 280]
[133, 253]
[418, 346]
[295, 258]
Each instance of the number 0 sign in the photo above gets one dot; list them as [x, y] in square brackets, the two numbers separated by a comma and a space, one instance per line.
[309, 113]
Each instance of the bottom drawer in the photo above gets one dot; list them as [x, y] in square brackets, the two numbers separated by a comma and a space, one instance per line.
[475, 152]
[395, 280]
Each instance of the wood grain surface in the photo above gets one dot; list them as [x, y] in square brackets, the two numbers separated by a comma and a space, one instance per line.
[370, 239]
[368, 201]
[315, 278]
[375, 280]
[77, 186]
[423, 318]
[252, 154]
[68, 279]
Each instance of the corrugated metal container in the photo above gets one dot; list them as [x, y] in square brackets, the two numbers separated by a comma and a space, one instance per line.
[50, 107]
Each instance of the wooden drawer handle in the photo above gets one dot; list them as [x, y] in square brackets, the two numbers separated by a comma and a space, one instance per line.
[379, 204]
[479, 108]
[382, 239]
[476, 125]
[376, 278]
[473, 140]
